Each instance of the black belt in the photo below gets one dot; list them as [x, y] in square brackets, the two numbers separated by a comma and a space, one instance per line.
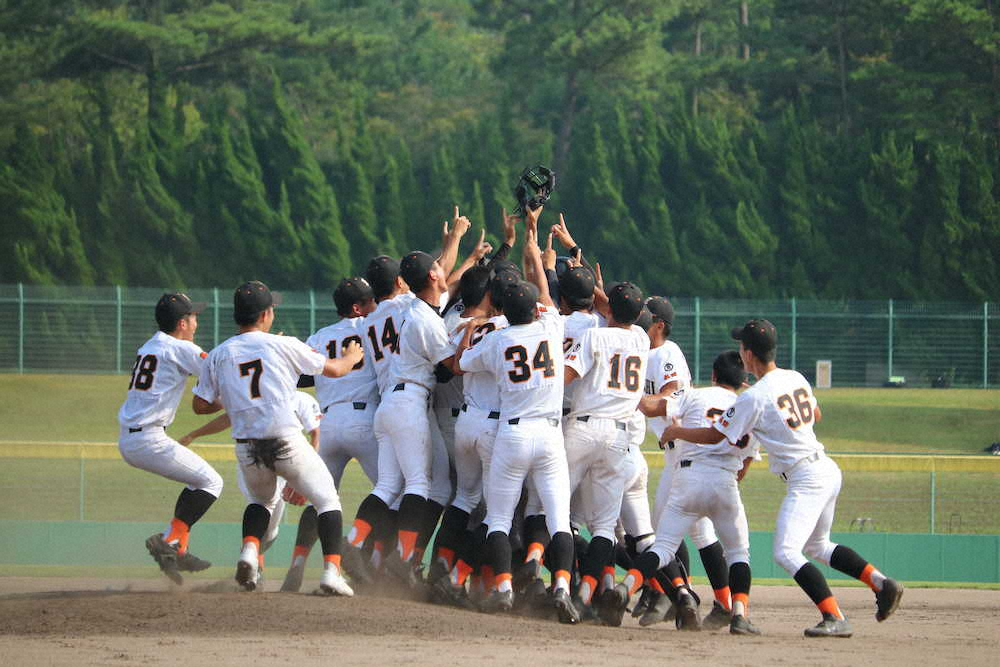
[135, 430]
[621, 426]
[494, 414]
[243, 441]
[454, 412]
[399, 387]
[517, 420]
[357, 405]
[566, 411]
[686, 463]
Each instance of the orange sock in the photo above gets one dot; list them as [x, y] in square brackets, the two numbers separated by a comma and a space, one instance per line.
[560, 579]
[179, 532]
[503, 581]
[830, 606]
[678, 582]
[300, 552]
[535, 552]
[633, 580]
[655, 585]
[722, 595]
[359, 532]
[587, 587]
[252, 540]
[462, 570]
[260, 561]
[871, 576]
[447, 555]
[332, 558]
[407, 544]
[608, 577]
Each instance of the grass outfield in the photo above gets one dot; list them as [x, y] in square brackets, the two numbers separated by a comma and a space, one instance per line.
[49, 408]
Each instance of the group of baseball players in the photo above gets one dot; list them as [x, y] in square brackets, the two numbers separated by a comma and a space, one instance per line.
[499, 411]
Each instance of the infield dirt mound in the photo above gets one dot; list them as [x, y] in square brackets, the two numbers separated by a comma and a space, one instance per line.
[56, 621]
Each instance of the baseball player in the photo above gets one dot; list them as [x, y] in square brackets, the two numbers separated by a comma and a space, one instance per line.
[525, 358]
[253, 376]
[704, 485]
[162, 366]
[610, 363]
[780, 411]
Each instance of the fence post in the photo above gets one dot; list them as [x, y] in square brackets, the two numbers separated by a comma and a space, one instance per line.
[118, 333]
[312, 311]
[697, 340]
[933, 498]
[20, 327]
[795, 334]
[82, 482]
[215, 317]
[986, 345]
[889, 374]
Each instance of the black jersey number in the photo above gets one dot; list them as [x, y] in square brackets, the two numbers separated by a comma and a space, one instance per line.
[798, 406]
[331, 349]
[713, 414]
[540, 361]
[254, 369]
[631, 372]
[142, 372]
[389, 339]
[481, 331]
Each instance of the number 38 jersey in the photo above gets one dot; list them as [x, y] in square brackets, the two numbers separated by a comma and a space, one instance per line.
[358, 386]
[527, 362]
[254, 376]
[162, 366]
[611, 363]
[779, 410]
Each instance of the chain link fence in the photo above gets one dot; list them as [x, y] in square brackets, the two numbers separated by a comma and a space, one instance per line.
[97, 330]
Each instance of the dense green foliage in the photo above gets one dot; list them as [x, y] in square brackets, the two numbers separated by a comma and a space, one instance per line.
[815, 148]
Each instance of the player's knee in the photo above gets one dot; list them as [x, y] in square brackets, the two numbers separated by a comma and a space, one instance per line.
[466, 501]
[739, 554]
[213, 483]
[605, 531]
[789, 559]
[329, 502]
[820, 550]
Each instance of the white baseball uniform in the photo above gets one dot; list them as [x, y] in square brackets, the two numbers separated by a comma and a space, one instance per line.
[448, 396]
[704, 483]
[348, 402]
[779, 410]
[611, 364]
[161, 369]
[254, 375]
[527, 361]
[381, 337]
[635, 516]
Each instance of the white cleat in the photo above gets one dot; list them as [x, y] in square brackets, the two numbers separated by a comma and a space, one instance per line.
[332, 583]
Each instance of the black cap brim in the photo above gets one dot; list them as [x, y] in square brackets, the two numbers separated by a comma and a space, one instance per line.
[737, 333]
[198, 307]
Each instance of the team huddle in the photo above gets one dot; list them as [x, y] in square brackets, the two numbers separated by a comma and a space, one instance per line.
[498, 411]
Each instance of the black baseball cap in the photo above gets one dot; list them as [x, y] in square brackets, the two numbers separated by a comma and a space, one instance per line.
[645, 319]
[351, 291]
[172, 307]
[758, 336]
[499, 283]
[381, 274]
[728, 369]
[415, 268]
[251, 299]
[501, 265]
[661, 309]
[519, 301]
[577, 284]
[625, 301]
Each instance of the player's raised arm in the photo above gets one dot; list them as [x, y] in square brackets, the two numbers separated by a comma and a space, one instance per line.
[533, 257]
[450, 240]
[481, 250]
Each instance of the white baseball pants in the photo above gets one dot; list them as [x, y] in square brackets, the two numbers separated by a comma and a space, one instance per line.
[347, 433]
[635, 515]
[302, 468]
[151, 449]
[806, 513]
[597, 450]
[475, 435]
[277, 511]
[702, 533]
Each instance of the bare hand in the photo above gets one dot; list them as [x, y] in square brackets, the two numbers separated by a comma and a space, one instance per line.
[482, 248]
[509, 227]
[549, 255]
[598, 278]
[354, 352]
[186, 440]
[531, 218]
[292, 497]
[562, 233]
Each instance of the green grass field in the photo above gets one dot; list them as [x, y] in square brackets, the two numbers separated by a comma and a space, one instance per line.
[54, 408]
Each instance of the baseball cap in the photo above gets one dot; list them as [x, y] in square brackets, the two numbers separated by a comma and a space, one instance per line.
[381, 274]
[758, 336]
[414, 269]
[519, 301]
[645, 319]
[728, 369]
[351, 291]
[625, 301]
[172, 307]
[501, 265]
[499, 283]
[253, 298]
[577, 284]
[661, 309]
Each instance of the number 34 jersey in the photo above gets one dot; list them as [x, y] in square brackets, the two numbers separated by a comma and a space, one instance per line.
[162, 366]
[254, 376]
[779, 410]
[611, 363]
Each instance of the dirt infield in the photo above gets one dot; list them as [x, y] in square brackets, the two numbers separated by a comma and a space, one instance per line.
[101, 622]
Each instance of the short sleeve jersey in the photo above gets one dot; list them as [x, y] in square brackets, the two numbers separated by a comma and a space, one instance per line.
[611, 363]
[448, 395]
[666, 364]
[307, 410]
[381, 339]
[358, 385]
[527, 363]
[423, 343]
[162, 366]
[779, 411]
[575, 324]
[698, 408]
[254, 375]
[480, 388]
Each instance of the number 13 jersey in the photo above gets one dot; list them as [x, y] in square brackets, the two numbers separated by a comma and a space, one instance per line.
[780, 411]
[254, 375]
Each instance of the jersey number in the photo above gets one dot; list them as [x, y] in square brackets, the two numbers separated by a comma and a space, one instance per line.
[390, 339]
[142, 372]
[567, 344]
[254, 369]
[542, 361]
[713, 414]
[331, 349]
[481, 331]
[799, 407]
[631, 367]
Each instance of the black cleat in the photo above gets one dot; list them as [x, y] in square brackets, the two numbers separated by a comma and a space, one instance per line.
[354, 564]
[246, 575]
[446, 593]
[718, 618]
[646, 600]
[741, 625]
[611, 607]
[565, 608]
[657, 613]
[887, 599]
[402, 571]
[524, 574]
[830, 626]
[498, 603]
[188, 562]
[687, 613]
[166, 557]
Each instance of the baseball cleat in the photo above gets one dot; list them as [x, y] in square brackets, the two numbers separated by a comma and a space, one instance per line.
[402, 571]
[657, 613]
[293, 579]
[354, 564]
[719, 617]
[687, 613]
[332, 583]
[671, 614]
[188, 562]
[246, 575]
[499, 602]
[646, 600]
[534, 600]
[526, 572]
[165, 556]
[741, 625]
[446, 593]
[565, 608]
[830, 627]
[611, 607]
[887, 599]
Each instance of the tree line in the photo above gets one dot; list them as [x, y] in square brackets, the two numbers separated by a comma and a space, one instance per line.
[719, 148]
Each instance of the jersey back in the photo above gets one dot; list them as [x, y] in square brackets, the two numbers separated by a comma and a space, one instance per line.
[575, 324]
[700, 408]
[358, 385]
[423, 342]
[450, 394]
[480, 389]
[161, 368]
[611, 363]
[666, 364]
[381, 336]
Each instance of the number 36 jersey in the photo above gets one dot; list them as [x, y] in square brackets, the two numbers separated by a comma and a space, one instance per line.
[162, 366]
[779, 410]
[254, 376]
[527, 362]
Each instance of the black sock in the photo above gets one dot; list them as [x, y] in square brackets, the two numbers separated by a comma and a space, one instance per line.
[739, 578]
[475, 553]
[621, 557]
[192, 505]
[428, 524]
[535, 530]
[330, 526]
[255, 520]
[648, 564]
[308, 531]
[684, 558]
[411, 513]
[560, 552]
[847, 560]
[498, 552]
[600, 552]
[452, 534]
[372, 511]
[713, 558]
[812, 581]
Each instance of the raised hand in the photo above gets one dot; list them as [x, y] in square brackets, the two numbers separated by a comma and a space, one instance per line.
[482, 248]
[509, 227]
[549, 255]
[531, 219]
[562, 233]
